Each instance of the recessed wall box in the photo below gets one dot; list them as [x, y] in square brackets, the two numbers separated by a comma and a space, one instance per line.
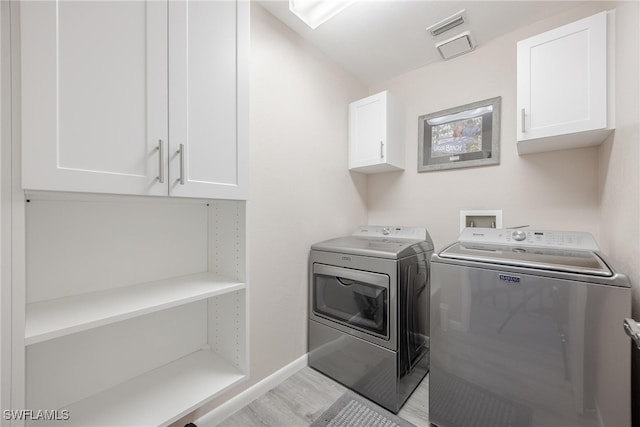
[484, 219]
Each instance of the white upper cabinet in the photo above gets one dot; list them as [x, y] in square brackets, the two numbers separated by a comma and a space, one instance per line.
[94, 95]
[208, 98]
[375, 135]
[103, 83]
[563, 99]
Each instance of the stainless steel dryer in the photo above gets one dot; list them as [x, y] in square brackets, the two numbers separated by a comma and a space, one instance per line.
[526, 330]
[368, 311]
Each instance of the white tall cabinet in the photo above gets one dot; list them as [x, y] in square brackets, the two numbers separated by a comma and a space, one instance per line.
[129, 307]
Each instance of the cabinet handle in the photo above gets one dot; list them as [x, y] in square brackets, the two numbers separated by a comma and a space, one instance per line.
[160, 162]
[381, 150]
[181, 151]
[524, 128]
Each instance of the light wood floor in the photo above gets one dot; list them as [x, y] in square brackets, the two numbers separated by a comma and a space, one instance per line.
[303, 397]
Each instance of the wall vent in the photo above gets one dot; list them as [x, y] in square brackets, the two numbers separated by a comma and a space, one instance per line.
[456, 46]
[447, 24]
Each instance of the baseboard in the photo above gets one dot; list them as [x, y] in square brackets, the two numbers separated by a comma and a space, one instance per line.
[238, 402]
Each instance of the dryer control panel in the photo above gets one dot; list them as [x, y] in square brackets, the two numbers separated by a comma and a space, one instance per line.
[578, 240]
[391, 231]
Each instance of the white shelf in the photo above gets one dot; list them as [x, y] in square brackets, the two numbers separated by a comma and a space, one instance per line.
[63, 316]
[158, 397]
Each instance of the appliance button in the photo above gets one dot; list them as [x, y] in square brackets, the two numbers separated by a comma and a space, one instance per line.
[519, 235]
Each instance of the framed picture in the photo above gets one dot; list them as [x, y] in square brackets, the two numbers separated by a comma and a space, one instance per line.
[460, 137]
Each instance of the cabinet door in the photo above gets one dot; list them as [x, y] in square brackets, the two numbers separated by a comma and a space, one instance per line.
[94, 95]
[368, 131]
[208, 98]
[562, 80]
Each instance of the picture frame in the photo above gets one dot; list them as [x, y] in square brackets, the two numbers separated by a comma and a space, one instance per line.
[460, 137]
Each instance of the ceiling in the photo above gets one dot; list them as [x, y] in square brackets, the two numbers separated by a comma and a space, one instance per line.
[376, 40]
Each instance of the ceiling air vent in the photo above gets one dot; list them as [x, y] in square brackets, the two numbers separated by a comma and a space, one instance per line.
[456, 46]
[447, 24]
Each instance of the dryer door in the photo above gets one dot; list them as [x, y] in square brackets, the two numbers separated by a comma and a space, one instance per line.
[351, 300]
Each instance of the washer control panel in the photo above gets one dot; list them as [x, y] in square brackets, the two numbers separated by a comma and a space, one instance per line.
[578, 240]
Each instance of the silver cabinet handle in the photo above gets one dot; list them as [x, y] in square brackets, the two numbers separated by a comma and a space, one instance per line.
[524, 128]
[381, 150]
[632, 328]
[181, 151]
[160, 162]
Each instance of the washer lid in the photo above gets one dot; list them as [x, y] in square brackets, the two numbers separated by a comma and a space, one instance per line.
[378, 247]
[566, 260]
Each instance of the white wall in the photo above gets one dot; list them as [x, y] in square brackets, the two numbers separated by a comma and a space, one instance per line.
[619, 168]
[301, 189]
[5, 212]
[5, 349]
[619, 156]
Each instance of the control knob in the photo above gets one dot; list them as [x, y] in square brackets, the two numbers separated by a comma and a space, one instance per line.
[519, 235]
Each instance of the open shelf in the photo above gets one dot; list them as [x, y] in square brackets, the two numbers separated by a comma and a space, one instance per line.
[158, 397]
[135, 309]
[63, 316]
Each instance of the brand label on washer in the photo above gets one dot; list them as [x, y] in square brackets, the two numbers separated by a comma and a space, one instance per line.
[509, 278]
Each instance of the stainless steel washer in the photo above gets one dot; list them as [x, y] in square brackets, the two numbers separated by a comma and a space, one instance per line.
[526, 330]
[368, 311]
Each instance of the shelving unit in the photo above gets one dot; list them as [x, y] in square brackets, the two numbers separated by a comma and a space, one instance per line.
[135, 306]
[128, 303]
